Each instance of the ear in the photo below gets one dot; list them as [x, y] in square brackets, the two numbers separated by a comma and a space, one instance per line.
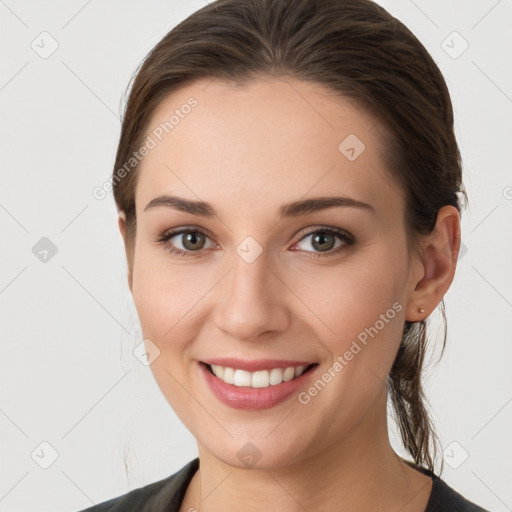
[122, 228]
[436, 267]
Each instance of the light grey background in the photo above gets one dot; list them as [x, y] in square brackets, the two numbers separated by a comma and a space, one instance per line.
[69, 379]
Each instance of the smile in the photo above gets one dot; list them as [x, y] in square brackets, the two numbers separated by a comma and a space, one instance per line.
[258, 379]
[258, 384]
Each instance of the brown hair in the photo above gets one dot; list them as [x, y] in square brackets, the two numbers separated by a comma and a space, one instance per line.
[358, 50]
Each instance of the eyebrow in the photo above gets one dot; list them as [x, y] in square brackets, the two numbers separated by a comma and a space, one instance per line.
[293, 209]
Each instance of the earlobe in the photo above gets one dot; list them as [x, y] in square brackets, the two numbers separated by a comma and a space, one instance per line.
[438, 263]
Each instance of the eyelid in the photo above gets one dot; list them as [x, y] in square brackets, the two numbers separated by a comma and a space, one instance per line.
[332, 229]
[169, 233]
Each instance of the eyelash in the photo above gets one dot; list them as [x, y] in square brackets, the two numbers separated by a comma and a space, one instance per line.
[347, 239]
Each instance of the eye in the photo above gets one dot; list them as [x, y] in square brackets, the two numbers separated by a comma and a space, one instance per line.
[324, 241]
[190, 240]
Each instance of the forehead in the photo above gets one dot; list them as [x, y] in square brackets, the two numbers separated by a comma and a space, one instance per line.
[269, 141]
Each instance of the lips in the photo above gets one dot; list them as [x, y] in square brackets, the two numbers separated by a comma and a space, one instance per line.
[259, 384]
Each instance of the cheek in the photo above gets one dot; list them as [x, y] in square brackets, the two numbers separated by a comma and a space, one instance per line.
[168, 300]
[360, 307]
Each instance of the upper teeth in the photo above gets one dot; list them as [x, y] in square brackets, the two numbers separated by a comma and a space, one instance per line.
[259, 379]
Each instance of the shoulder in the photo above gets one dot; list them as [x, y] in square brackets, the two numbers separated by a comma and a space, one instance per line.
[163, 495]
[445, 499]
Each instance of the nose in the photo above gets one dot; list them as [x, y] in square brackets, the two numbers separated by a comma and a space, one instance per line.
[252, 301]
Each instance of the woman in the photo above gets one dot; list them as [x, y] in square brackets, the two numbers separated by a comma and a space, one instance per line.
[289, 190]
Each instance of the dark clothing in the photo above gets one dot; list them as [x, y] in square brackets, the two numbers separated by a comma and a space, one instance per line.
[167, 495]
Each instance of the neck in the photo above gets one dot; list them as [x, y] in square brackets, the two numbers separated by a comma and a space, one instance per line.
[359, 472]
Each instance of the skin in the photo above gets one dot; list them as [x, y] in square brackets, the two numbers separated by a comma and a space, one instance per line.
[248, 150]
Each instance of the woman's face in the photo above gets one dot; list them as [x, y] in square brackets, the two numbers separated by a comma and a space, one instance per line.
[265, 287]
